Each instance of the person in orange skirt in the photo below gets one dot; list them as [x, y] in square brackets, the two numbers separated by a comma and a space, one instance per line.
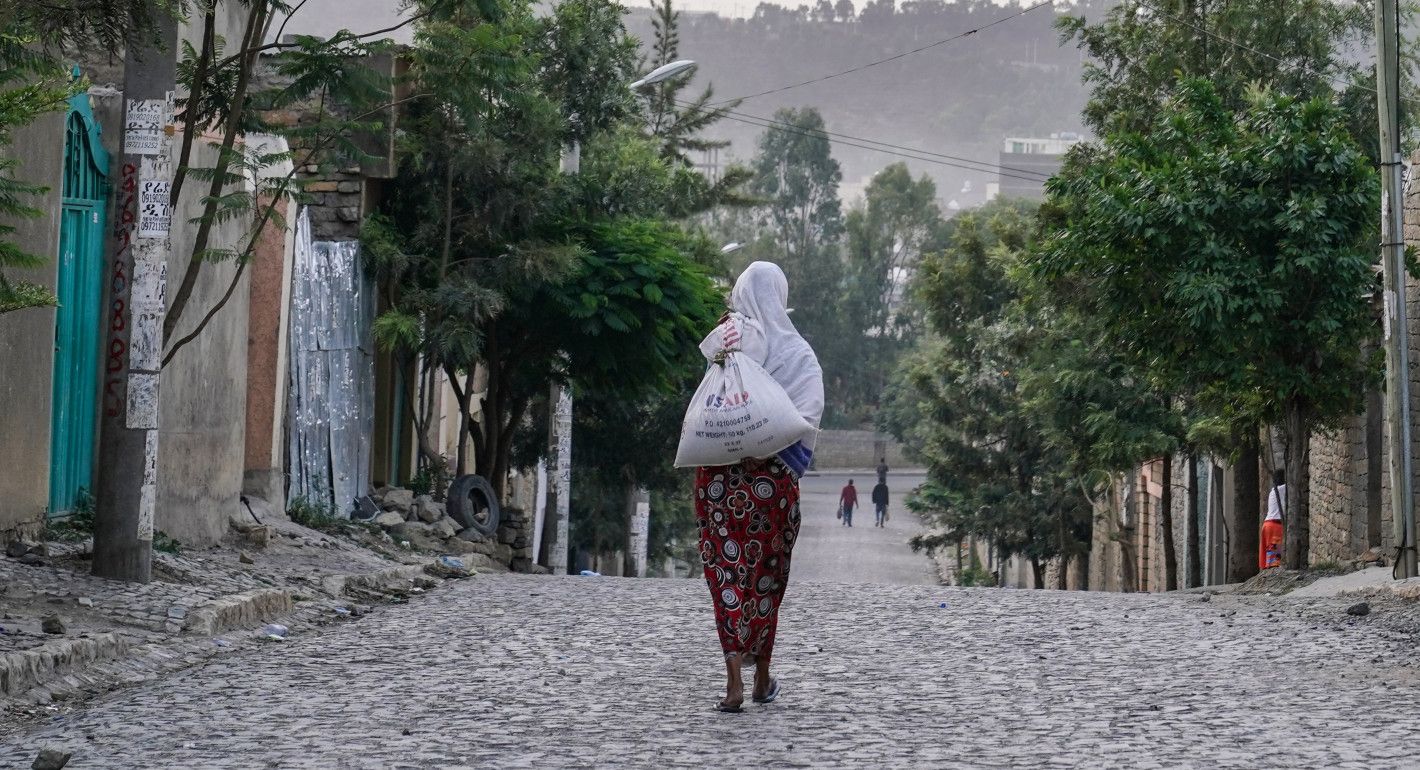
[1270, 548]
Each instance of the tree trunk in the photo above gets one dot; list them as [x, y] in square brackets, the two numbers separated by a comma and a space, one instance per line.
[1166, 520]
[1296, 514]
[1128, 524]
[1195, 542]
[1037, 568]
[1242, 556]
[1062, 574]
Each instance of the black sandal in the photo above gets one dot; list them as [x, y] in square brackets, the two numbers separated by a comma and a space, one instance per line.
[729, 708]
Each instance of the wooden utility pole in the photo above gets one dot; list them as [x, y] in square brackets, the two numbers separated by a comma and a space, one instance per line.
[1397, 346]
[128, 447]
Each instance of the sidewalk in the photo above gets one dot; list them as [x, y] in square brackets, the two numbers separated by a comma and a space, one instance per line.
[66, 635]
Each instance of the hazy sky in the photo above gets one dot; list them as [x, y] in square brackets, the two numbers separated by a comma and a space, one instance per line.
[326, 17]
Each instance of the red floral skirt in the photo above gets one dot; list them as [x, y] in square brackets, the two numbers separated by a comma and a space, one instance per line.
[748, 515]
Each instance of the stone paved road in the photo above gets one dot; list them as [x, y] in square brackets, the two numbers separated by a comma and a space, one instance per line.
[827, 550]
[518, 671]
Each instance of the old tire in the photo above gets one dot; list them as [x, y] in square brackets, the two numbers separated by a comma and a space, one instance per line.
[473, 505]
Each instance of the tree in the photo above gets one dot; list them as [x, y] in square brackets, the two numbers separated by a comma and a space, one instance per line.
[1229, 257]
[679, 126]
[1299, 48]
[886, 237]
[958, 402]
[507, 274]
[34, 37]
[801, 221]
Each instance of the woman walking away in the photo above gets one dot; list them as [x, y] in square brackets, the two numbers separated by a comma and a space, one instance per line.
[748, 513]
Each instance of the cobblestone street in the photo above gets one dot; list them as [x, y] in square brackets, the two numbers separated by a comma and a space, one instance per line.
[522, 671]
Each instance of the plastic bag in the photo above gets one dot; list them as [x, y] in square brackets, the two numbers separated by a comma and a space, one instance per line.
[738, 412]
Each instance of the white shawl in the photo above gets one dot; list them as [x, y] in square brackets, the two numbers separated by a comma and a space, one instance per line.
[762, 294]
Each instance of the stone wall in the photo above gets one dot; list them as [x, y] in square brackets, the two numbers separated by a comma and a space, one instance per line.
[1339, 490]
[858, 449]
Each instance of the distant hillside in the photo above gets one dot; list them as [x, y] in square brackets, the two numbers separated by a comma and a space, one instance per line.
[960, 98]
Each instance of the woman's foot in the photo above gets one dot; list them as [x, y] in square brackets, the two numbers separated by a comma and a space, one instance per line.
[734, 698]
[766, 687]
[734, 686]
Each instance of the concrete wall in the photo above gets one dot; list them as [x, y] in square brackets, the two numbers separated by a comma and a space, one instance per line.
[858, 449]
[202, 442]
[27, 340]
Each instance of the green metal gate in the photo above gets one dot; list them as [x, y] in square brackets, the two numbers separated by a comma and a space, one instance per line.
[77, 322]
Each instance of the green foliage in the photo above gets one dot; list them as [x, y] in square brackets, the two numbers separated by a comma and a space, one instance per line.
[958, 402]
[589, 62]
[78, 525]
[1226, 255]
[315, 514]
[1303, 48]
[676, 123]
[31, 84]
[975, 575]
[887, 235]
[433, 479]
[632, 309]
[165, 543]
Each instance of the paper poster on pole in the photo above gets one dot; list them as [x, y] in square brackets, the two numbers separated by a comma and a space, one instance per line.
[155, 211]
[143, 126]
[142, 401]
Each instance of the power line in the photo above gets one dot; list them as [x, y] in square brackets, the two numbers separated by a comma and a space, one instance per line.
[895, 57]
[840, 139]
[887, 147]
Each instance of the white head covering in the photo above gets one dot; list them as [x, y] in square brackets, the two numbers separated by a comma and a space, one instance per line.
[762, 294]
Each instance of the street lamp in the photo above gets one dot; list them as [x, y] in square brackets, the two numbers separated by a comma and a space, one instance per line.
[663, 73]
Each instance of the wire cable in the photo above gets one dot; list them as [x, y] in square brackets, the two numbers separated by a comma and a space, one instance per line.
[887, 147]
[820, 134]
[892, 58]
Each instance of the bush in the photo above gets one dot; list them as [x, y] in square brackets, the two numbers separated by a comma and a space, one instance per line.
[166, 543]
[976, 575]
[316, 514]
[78, 525]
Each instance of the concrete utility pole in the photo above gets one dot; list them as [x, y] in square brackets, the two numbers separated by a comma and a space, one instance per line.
[1397, 348]
[559, 443]
[128, 447]
[638, 530]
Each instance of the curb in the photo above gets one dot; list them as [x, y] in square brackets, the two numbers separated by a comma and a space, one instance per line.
[62, 668]
[20, 671]
[245, 609]
[339, 585]
[1408, 590]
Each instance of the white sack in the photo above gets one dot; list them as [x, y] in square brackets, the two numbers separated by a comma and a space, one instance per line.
[738, 412]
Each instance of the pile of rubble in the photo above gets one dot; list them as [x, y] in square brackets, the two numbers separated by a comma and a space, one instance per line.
[421, 523]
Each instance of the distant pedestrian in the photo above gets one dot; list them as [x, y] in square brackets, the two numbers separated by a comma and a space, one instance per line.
[880, 501]
[748, 513]
[847, 501]
[882, 471]
[1270, 549]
